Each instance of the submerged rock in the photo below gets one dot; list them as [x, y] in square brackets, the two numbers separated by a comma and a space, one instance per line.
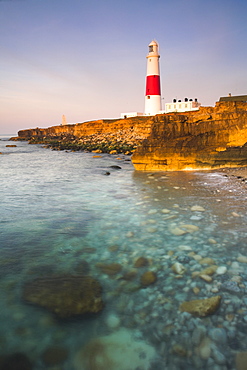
[148, 278]
[218, 335]
[118, 351]
[190, 228]
[207, 261]
[65, 295]
[175, 230]
[241, 360]
[210, 270]
[183, 258]
[242, 259]
[54, 355]
[201, 307]
[129, 275]
[197, 208]
[231, 287]
[16, 361]
[206, 278]
[109, 269]
[141, 262]
[179, 350]
[112, 321]
[178, 268]
[221, 270]
[204, 349]
[82, 267]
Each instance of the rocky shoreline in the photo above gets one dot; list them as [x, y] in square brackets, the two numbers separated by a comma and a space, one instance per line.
[120, 136]
[124, 143]
[237, 172]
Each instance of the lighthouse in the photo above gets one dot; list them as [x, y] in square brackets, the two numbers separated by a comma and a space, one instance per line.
[153, 92]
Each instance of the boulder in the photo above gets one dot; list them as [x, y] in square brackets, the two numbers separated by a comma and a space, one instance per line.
[66, 295]
[201, 307]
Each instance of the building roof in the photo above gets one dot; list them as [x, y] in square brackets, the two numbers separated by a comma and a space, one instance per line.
[242, 98]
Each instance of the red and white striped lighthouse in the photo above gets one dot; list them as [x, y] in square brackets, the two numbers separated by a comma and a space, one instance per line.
[153, 92]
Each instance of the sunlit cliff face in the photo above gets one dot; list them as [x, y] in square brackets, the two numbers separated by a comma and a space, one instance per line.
[210, 138]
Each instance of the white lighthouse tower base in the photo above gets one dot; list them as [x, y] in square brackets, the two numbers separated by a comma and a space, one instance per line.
[152, 105]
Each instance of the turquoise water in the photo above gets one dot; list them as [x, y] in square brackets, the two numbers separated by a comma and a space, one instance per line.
[62, 210]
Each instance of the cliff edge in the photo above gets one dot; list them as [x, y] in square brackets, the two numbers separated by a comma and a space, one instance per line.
[213, 137]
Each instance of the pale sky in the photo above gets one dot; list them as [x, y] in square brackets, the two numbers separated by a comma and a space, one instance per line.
[86, 59]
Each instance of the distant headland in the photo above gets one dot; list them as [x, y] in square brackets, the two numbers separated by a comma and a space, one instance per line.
[209, 138]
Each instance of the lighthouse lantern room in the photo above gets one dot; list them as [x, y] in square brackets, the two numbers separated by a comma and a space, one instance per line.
[153, 91]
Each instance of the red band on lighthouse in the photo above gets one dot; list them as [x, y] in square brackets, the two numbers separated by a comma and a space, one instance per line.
[153, 85]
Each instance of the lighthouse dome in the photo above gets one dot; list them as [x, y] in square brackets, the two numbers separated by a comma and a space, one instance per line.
[153, 43]
[153, 48]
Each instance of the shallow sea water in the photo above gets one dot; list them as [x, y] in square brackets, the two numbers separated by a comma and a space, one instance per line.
[60, 210]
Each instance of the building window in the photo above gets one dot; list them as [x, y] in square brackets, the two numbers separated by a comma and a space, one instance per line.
[150, 60]
[148, 97]
[151, 48]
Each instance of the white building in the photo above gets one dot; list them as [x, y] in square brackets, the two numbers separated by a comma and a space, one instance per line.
[131, 114]
[179, 106]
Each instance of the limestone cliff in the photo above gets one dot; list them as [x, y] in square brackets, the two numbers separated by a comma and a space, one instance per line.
[102, 135]
[138, 126]
[212, 137]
